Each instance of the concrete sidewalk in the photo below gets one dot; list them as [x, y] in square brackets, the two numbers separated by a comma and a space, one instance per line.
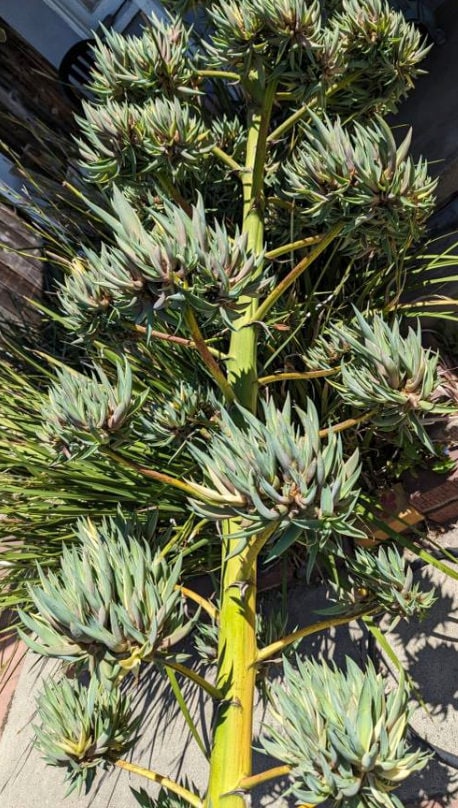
[429, 651]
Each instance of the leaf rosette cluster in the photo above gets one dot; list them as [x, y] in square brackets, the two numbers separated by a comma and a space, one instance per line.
[380, 50]
[152, 272]
[112, 604]
[124, 140]
[83, 727]
[358, 179]
[85, 412]
[187, 409]
[383, 580]
[391, 373]
[276, 473]
[156, 63]
[343, 737]
[282, 30]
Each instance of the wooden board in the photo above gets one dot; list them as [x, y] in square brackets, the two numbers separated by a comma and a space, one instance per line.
[21, 268]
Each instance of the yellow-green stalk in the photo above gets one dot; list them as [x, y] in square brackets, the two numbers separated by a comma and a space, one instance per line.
[231, 758]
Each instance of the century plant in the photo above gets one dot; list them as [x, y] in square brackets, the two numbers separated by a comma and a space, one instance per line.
[389, 372]
[83, 727]
[384, 581]
[237, 190]
[113, 604]
[356, 752]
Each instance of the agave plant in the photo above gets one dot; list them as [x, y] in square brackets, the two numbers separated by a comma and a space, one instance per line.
[168, 137]
[342, 736]
[283, 28]
[85, 411]
[392, 55]
[384, 580]
[187, 410]
[83, 727]
[113, 603]
[155, 63]
[273, 472]
[341, 176]
[182, 261]
[393, 374]
[229, 219]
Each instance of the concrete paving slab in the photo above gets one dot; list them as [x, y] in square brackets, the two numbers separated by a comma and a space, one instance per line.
[429, 651]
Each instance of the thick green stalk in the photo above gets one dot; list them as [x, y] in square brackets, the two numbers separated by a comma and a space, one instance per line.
[241, 365]
[231, 758]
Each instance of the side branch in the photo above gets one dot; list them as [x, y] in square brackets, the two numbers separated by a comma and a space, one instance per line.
[292, 376]
[165, 782]
[159, 476]
[256, 779]
[162, 335]
[307, 107]
[208, 358]
[205, 604]
[198, 680]
[277, 647]
[343, 425]
[226, 158]
[294, 245]
[295, 273]
[218, 74]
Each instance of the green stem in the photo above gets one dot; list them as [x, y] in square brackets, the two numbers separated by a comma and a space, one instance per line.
[294, 245]
[218, 74]
[159, 476]
[162, 335]
[292, 376]
[279, 646]
[295, 273]
[296, 116]
[165, 782]
[207, 357]
[212, 691]
[348, 424]
[205, 604]
[231, 758]
[290, 121]
[241, 365]
[257, 779]
[226, 158]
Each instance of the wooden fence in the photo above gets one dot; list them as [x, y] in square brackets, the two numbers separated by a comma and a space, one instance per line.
[21, 273]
